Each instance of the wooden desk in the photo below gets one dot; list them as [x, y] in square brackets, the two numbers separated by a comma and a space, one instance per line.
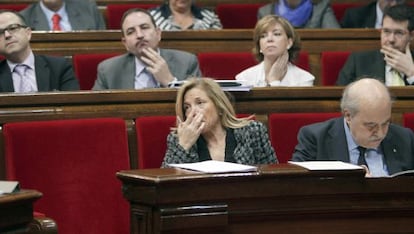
[277, 199]
[16, 210]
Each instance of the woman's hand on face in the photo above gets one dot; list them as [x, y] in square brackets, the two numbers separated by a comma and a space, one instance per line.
[189, 130]
[279, 68]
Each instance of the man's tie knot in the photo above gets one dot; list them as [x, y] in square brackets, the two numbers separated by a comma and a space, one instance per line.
[56, 22]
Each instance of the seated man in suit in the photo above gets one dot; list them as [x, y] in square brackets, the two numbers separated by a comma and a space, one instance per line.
[363, 136]
[393, 64]
[367, 16]
[145, 65]
[22, 71]
[64, 15]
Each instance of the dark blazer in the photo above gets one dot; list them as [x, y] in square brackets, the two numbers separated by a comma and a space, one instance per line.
[119, 72]
[52, 74]
[253, 147]
[360, 64]
[83, 15]
[326, 141]
[360, 17]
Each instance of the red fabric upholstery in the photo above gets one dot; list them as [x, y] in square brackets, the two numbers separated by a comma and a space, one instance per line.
[73, 163]
[14, 7]
[408, 120]
[85, 66]
[152, 134]
[224, 65]
[303, 61]
[284, 127]
[114, 12]
[331, 64]
[339, 8]
[238, 15]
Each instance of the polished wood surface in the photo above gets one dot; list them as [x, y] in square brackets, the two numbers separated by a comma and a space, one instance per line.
[314, 42]
[276, 199]
[16, 210]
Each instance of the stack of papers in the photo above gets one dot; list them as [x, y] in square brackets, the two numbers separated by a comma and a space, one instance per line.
[326, 165]
[226, 85]
[212, 166]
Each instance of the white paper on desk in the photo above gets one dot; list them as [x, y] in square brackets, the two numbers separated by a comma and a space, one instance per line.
[212, 166]
[326, 165]
[226, 85]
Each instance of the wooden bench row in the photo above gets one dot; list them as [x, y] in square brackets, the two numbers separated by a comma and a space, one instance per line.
[130, 104]
[314, 42]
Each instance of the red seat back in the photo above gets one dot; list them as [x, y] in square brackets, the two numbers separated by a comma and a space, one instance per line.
[85, 66]
[224, 65]
[302, 60]
[339, 8]
[152, 132]
[331, 64]
[13, 7]
[114, 12]
[284, 127]
[238, 15]
[408, 120]
[73, 163]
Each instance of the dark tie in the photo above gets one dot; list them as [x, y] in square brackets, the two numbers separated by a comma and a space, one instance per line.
[361, 158]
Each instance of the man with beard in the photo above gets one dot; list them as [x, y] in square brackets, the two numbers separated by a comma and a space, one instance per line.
[393, 63]
[363, 136]
[145, 65]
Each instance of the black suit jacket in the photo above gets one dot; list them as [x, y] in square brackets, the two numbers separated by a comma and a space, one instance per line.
[52, 74]
[360, 17]
[326, 141]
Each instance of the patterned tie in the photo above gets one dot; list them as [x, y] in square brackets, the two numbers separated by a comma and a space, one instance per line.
[397, 80]
[21, 69]
[56, 22]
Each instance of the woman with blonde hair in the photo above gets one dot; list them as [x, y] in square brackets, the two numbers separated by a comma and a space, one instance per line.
[208, 129]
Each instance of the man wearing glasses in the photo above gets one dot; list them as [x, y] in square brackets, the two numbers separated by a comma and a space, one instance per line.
[367, 16]
[393, 63]
[22, 71]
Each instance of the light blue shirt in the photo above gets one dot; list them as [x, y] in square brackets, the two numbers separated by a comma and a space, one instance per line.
[64, 18]
[373, 157]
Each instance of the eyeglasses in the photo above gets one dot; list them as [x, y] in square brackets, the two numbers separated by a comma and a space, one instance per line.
[397, 33]
[12, 29]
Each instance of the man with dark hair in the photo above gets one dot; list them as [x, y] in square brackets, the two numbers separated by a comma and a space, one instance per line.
[393, 63]
[22, 71]
[145, 65]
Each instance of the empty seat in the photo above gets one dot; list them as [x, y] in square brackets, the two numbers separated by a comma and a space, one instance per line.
[284, 127]
[331, 64]
[152, 132]
[85, 66]
[73, 163]
[408, 120]
[114, 12]
[238, 15]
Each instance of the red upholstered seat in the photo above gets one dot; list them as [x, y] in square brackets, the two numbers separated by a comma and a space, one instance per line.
[238, 15]
[339, 8]
[302, 60]
[85, 66]
[73, 163]
[331, 64]
[114, 12]
[284, 127]
[152, 132]
[408, 120]
[14, 7]
[224, 65]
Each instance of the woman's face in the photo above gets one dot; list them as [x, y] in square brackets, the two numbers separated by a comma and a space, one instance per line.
[180, 4]
[197, 102]
[274, 42]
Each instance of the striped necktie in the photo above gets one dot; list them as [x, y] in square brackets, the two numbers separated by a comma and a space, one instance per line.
[20, 70]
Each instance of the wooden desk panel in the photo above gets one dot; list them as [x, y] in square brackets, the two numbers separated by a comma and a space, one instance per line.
[277, 199]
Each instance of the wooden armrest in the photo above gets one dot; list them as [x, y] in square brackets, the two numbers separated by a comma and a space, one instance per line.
[43, 225]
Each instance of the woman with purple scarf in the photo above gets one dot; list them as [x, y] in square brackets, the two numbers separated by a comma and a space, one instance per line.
[302, 13]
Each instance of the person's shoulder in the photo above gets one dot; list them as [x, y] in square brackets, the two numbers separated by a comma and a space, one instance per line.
[361, 9]
[51, 59]
[304, 73]
[116, 61]
[177, 52]
[398, 129]
[29, 9]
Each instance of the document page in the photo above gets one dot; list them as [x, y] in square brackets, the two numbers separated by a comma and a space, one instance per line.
[212, 166]
[326, 165]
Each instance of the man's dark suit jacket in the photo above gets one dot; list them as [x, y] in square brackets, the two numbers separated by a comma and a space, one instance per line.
[360, 17]
[52, 74]
[326, 141]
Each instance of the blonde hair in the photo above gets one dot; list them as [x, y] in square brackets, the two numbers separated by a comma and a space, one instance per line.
[214, 92]
[264, 24]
